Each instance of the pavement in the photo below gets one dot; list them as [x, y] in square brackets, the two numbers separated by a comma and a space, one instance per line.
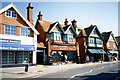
[40, 70]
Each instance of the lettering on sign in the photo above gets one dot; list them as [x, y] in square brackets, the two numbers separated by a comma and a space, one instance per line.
[59, 47]
[10, 41]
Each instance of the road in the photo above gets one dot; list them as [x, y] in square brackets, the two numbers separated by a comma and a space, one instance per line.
[110, 71]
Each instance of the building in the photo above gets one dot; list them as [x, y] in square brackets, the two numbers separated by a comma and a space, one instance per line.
[90, 44]
[110, 45]
[118, 41]
[18, 37]
[59, 40]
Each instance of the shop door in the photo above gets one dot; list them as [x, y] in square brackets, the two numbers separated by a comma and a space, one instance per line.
[40, 57]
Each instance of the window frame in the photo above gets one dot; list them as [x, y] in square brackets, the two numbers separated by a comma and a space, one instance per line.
[11, 14]
[10, 30]
[25, 31]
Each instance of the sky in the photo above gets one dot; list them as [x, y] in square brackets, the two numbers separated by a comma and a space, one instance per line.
[102, 14]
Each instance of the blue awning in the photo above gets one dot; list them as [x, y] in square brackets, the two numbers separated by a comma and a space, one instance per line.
[16, 47]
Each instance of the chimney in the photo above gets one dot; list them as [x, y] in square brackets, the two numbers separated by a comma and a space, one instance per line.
[30, 13]
[40, 16]
[66, 22]
[74, 24]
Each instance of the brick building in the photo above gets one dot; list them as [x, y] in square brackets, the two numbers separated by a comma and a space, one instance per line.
[18, 37]
[59, 40]
[90, 44]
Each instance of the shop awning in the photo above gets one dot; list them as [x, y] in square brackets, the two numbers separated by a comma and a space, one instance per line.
[113, 52]
[17, 47]
[101, 51]
[92, 51]
[97, 51]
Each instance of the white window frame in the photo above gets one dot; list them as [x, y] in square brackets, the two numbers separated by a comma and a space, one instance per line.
[25, 33]
[10, 30]
[11, 14]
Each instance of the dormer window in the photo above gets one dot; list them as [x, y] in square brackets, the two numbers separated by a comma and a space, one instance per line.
[11, 14]
[68, 38]
[55, 36]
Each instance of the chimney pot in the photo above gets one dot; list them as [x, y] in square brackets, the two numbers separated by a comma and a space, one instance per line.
[40, 16]
[66, 21]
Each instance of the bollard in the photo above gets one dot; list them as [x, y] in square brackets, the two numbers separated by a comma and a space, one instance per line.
[26, 67]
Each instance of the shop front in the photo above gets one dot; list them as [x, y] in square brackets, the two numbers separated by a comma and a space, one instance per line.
[16, 53]
[95, 55]
[63, 54]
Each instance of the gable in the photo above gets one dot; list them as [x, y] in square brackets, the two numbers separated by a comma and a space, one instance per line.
[18, 12]
[70, 31]
[56, 29]
[17, 21]
[94, 33]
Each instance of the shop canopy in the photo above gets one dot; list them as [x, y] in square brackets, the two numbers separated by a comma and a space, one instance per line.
[97, 51]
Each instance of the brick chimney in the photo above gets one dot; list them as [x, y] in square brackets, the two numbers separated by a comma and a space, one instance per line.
[40, 16]
[66, 22]
[74, 24]
[30, 13]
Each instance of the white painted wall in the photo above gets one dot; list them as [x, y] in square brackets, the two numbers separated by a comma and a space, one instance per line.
[24, 40]
[35, 51]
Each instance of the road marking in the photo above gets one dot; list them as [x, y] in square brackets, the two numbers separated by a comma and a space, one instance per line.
[91, 70]
[80, 74]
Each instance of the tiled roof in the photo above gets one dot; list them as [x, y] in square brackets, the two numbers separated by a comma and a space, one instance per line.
[41, 45]
[106, 36]
[46, 25]
[89, 29]
[82, 33]
[118, 39]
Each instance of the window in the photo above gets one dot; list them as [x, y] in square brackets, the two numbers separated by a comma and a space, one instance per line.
[25, 31]
[98, 41]
[52, 36]
[91, 40]
[11, 14]
[55, 36]
[65, 38]
[10, 30]
[70, 38]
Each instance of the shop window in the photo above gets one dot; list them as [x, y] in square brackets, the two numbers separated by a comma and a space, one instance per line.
[10, 29]
[8, 57]
[25, 32]
[11, 14]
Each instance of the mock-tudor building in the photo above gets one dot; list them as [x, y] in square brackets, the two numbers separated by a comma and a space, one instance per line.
[110, 45]
[59, 40]
[90, 44]
[18, 37]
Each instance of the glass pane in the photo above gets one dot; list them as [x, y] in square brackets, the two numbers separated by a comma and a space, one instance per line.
[14, 14]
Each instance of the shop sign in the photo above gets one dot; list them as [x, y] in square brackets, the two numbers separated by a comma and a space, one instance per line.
[60, 47]
[16, 47]
[10, 41]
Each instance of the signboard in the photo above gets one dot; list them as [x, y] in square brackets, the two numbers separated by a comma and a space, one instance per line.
[16, 47]
[10, 41]
[63, 47]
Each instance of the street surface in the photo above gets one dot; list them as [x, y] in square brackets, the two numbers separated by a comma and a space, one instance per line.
[110, 71]
[89, 71]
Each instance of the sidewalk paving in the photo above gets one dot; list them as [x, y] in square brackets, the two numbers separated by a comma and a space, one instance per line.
[39, 70]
